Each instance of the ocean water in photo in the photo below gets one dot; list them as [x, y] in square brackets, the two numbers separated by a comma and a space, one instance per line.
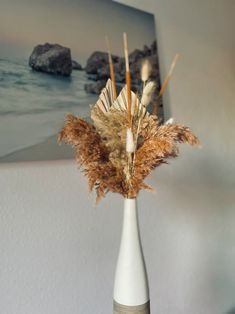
[33, 105]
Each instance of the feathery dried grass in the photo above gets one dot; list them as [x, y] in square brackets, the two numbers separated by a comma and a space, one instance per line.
[94, 157]
[100, 149]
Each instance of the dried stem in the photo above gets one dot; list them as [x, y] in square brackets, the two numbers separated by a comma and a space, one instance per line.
[164, 85]
[128, 79]
[111, 69]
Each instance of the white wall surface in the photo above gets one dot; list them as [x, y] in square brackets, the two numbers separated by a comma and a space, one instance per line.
[58, 251]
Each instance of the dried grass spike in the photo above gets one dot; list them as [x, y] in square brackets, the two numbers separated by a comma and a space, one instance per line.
[148, 93]
[146, 69]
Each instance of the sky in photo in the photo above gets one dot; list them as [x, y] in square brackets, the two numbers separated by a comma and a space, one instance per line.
[78, 24]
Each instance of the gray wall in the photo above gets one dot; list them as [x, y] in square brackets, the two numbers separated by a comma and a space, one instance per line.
[58, 252]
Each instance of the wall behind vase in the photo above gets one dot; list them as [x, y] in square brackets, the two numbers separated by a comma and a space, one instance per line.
[58, 253]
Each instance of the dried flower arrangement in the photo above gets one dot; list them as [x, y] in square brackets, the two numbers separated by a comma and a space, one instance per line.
[125, 141]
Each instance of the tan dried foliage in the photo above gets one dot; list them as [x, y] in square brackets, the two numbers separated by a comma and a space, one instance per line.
[100, 149]
[159, 144]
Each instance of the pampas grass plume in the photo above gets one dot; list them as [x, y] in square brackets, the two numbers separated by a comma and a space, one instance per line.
[148, 93]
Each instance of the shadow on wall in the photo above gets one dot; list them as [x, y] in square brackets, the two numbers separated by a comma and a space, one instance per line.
[232, 311]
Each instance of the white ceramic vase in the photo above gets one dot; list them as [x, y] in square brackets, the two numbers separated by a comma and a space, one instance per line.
[131, 291]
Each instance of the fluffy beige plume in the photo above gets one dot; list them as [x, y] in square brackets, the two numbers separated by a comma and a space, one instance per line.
[130, 145]
[148, 93]
[134, 103]
[146, 69]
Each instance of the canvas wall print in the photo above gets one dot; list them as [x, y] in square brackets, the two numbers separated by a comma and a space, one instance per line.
[53, 60]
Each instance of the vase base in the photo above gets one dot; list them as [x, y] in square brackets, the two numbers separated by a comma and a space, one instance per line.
[126, 309]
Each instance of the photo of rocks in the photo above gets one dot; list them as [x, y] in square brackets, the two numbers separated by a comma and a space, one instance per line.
[58, 64]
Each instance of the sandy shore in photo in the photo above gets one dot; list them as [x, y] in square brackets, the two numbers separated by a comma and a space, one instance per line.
[41, 151]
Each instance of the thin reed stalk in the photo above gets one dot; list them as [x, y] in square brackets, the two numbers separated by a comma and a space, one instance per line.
[165, 83]
[128, 78]
[111, 68]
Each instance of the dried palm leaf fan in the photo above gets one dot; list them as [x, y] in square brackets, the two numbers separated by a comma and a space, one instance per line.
[117, 152]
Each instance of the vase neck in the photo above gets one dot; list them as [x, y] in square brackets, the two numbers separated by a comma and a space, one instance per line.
[130, 229]
[130, 203]
[130, 209]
